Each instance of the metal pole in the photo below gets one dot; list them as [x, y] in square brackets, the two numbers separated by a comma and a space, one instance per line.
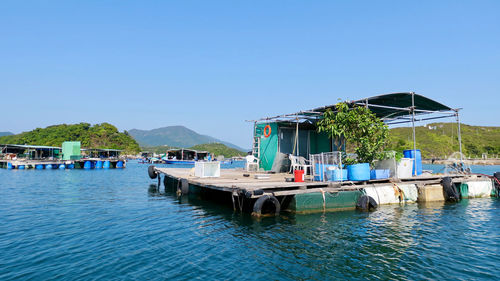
[414, 138]
[459, 137]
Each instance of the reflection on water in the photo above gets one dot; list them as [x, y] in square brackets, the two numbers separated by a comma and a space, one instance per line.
[112, 224]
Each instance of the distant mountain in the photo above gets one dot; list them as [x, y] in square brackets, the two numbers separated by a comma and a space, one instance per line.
[178, 136]
[5, 134]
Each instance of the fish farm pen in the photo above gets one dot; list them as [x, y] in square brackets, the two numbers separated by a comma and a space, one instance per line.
[293, 167]
[70, 156]
[269, 194]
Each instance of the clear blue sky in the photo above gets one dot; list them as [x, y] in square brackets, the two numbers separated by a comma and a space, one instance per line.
[210, 65]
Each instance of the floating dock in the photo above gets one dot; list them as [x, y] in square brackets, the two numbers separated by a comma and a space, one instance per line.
[24, 164]
[270, 194]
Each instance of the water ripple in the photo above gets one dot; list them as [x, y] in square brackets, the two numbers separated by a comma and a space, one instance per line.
[110, 225]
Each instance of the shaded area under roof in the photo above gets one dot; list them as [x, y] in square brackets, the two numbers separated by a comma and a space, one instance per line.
[25, 146]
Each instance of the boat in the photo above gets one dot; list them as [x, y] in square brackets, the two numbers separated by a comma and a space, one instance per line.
[185, 156]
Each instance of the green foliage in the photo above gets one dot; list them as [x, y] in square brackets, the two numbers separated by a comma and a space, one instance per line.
[356, 126]
[439, 140]
[219, 149]
[102, 135]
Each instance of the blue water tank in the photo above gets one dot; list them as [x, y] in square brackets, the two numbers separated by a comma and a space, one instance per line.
[106, 165]
[39, 167]
[379, 174]
[87, 165]
[98, 164]
[336, 175]
[20, 167]
[358, 172]
[62, 166]
[410, 153]
[119, 164]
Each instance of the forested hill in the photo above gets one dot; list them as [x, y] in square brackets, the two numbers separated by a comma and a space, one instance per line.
[5, 134]
[102, 135]
[439, 140]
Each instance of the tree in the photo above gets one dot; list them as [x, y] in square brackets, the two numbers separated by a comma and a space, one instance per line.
[357, 126]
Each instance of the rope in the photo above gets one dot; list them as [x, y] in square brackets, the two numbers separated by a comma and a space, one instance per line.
[324, 199]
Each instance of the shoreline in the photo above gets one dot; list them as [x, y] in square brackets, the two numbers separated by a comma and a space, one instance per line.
[466, 161]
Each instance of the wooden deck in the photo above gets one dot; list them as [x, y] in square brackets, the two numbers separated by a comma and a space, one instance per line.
[233, 180]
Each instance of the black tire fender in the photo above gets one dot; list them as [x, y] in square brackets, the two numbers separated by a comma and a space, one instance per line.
[366, 203]
[151, 172]
[183, 187]
[450, 191]
[257, 206]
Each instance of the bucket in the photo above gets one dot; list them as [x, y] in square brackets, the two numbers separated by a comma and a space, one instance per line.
[405, 168]
[379, 174]
[417, 156]
[359, 172]
[299, 175]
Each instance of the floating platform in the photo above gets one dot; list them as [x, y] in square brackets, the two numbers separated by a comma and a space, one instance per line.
[269, 194]
[92, 163]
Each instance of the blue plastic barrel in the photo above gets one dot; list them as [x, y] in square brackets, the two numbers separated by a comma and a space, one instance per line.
[106, 165]
[98, 164]
[62, 166]
[9, 166]
[359, 172]
[70, 166]
[119, 164]
[20, 167]
[39, 166]
[87, 165]
[410, 153]
[48, 166]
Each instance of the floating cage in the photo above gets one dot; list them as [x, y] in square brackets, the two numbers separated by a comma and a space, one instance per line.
[327, 166]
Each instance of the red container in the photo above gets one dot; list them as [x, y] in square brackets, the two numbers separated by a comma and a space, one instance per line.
[299, 175]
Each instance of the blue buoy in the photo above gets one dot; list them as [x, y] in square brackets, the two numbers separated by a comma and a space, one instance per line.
[87, 165]
[119, 164]
[48, 166]
[39, 166]
[106, 165]
[70, 166]
[62, 166]
[20, 167]
[98, 164]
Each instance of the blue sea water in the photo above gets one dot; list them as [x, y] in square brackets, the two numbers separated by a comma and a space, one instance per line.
[112, 225]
